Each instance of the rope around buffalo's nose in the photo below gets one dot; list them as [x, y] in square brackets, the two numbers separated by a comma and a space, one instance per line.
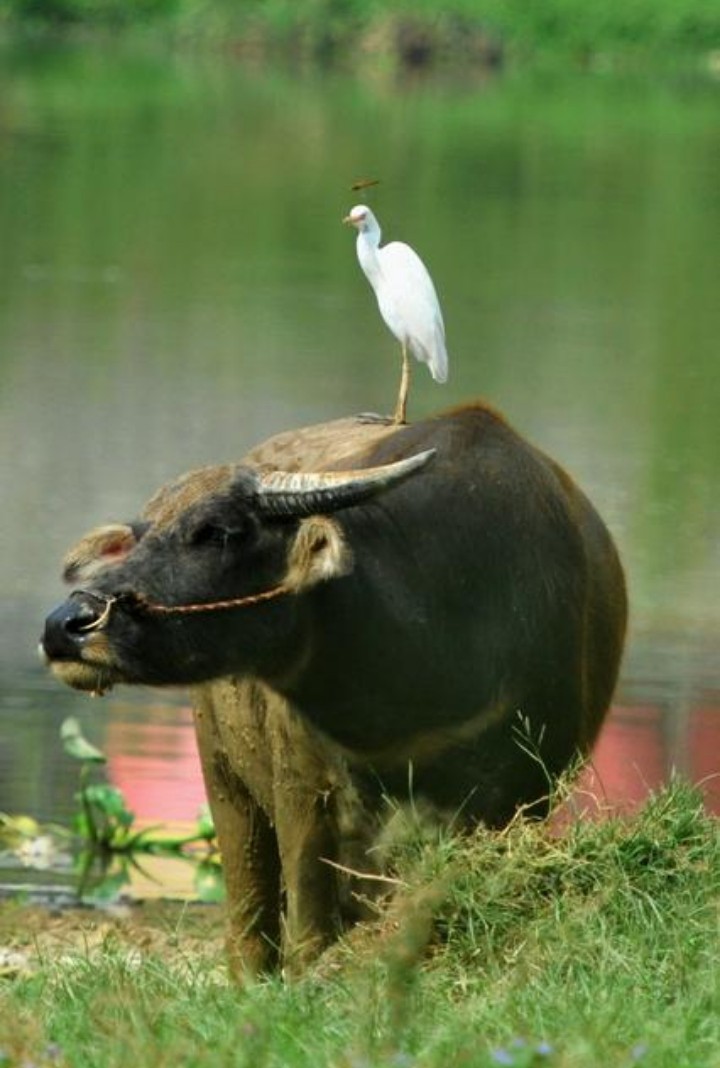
[156, 608]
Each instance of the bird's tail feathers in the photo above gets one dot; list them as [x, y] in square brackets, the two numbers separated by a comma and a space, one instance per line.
[439, 371]
[438, 362]
[435, 356]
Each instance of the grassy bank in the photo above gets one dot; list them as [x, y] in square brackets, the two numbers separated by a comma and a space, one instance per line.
[489, 32]
[596, 949]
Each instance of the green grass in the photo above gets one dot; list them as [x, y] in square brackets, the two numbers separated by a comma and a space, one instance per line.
[598, 948]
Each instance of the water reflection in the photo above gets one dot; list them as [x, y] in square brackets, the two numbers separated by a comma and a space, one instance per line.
[175, 285]
[154, 762]
[636, 754]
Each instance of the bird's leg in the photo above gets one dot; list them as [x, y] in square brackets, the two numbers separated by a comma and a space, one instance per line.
[401, 405]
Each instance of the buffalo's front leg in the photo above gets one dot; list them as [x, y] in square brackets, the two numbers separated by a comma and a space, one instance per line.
[248, 846]
[308, 839]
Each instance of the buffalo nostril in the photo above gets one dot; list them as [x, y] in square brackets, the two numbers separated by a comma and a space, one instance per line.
[65, 627]
[82, 619]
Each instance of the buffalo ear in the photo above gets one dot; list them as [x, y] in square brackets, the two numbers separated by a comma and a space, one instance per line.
[318, 553]
[103, 547]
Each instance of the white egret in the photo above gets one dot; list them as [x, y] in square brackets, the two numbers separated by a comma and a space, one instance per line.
[406, 297]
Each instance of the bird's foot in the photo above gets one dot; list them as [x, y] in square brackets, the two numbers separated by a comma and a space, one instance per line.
[372, 418]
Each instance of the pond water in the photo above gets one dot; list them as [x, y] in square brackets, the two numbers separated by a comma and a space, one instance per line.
[175, 285]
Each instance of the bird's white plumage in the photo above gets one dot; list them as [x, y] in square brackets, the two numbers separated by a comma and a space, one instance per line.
[409, 305]
[405, 293]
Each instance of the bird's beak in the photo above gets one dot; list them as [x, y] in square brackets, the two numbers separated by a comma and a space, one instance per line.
[349, 220]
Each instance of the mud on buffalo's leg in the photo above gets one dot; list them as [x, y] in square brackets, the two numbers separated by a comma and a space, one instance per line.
[308, 837]
[251, 864]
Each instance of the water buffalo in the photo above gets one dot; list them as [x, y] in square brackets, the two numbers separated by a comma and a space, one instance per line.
[364, 612]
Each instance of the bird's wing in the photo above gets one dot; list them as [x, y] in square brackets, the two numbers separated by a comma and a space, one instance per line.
[410, 296]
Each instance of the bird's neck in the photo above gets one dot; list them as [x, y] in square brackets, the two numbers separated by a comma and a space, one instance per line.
[367, 254]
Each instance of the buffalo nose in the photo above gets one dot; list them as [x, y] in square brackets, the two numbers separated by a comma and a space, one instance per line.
[64, 629]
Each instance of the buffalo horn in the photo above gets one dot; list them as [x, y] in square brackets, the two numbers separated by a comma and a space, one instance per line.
[305, 493]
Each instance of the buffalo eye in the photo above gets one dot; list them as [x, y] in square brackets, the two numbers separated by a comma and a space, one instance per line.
[208, 533]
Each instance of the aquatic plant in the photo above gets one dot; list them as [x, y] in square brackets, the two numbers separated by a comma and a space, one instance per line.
[103, 842]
